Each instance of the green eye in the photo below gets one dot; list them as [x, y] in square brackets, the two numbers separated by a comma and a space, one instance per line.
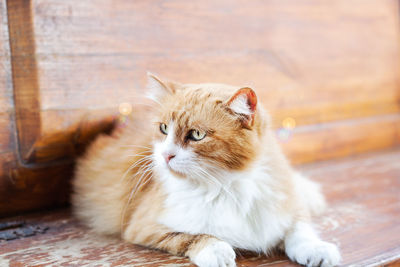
[164, 128]
[196, 135]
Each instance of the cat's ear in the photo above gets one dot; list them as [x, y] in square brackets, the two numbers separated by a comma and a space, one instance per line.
[244, 103]
[159, 88]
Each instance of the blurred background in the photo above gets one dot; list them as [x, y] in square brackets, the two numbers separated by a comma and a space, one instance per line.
[328, 72]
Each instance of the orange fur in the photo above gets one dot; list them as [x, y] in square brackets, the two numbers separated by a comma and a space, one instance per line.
[113, 197]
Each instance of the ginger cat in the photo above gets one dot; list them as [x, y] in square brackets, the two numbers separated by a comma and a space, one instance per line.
[199, 177]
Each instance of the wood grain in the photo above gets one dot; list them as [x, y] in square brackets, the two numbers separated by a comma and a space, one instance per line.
[340, 139]
[7, 129]
[25, 77]
[6, 92]
[25, 188]
[315, 61]
[33, 175]
[363, 219]
[365, 206]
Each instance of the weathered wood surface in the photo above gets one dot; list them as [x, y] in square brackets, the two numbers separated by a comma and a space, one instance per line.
[314, 61]
[30, 178]
[341, 138]
[6, 104]
[24, 76]
[363, 219]
[7, 128]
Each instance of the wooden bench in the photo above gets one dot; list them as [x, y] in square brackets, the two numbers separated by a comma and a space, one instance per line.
[328, 72]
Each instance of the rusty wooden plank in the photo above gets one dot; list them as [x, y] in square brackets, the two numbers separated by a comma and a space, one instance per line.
[363, 218]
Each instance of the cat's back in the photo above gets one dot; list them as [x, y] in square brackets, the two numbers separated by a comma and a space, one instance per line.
[102, 181]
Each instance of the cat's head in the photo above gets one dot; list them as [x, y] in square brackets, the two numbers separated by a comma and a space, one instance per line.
[203, 129]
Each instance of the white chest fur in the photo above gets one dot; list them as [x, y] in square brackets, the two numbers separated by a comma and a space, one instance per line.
[246, 213]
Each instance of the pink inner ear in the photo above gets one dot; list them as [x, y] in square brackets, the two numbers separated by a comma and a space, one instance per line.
[250, 96]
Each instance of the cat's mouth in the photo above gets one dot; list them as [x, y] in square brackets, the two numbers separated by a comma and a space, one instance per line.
[176, 172]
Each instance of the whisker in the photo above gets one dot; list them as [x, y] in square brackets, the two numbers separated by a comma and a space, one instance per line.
[136, 163]
[146, 175]
[215, 179]
[139, 154]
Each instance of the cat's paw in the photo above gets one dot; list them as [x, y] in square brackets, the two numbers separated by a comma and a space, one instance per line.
[216, 254]
[316, 253]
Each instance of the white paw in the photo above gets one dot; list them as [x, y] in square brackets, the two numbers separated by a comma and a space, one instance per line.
[315, 253]
[216, 254]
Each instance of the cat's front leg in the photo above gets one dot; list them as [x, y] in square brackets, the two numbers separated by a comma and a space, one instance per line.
[203, 250]
[213, 252]
[303, 245]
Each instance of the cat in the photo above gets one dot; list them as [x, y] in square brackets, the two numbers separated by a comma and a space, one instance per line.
[200, 176]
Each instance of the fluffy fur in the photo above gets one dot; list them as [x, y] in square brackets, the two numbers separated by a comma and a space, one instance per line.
[233, 189]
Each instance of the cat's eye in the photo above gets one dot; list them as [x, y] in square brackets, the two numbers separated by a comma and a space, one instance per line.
[164, 128]
[196, 135]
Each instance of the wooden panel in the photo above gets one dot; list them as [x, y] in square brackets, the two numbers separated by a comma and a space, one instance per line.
[314, 61]
[6, 103]
[363, 219]
[24, 75]
[340, 139]
[7, 137]
[29, 176]
[25, 188]
[33, 138]
[321, 60]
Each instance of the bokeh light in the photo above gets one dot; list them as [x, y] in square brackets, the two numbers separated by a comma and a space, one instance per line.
[289, 123]
[125, 108]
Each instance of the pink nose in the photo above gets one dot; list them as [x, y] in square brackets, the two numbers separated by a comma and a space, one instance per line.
[168, 157]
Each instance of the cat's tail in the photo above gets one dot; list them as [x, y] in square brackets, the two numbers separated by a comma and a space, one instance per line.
[311, 194]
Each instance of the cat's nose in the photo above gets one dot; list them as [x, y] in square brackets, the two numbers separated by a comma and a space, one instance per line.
[168, 157]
